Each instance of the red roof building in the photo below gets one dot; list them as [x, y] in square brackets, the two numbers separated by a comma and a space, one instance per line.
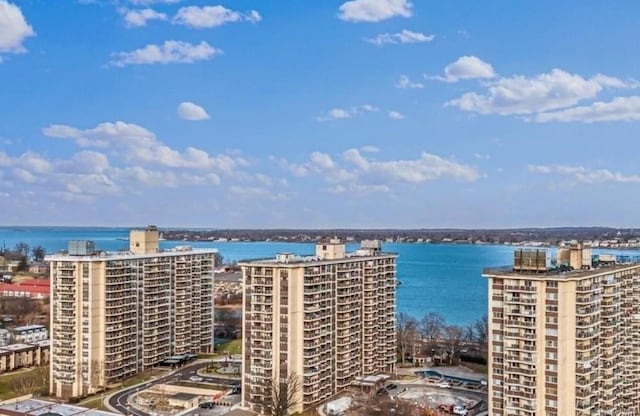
[34, 291]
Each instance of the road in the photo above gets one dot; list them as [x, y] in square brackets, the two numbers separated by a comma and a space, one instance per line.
[120, 400]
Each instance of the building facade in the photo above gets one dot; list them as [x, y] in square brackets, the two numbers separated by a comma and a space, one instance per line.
[16, 356]
[564, 340]
[116, 314]
[29, 333]
[323, 319]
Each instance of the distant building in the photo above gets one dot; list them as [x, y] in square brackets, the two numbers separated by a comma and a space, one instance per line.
[34, 289]
[326, 319]
[114, 315]
[38, 268]
[564, 339]
[30, 333]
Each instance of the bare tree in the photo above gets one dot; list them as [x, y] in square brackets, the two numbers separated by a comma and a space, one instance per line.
[281, 396]
[481, 327]
[229, 320]
[26, 384]
[406, 329]
[21, 248]
[430, 327]
[453, 337]
[38, 253]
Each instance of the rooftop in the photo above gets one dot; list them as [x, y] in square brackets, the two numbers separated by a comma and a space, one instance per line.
[17, 347]
[125, 255]
[28, 328]
[295, 260]
[37, 407]
[559, 273]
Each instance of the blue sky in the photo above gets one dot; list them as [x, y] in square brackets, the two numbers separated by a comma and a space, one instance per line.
[364, 113]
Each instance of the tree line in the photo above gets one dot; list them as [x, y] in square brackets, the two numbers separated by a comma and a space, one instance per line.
[21, 252]
[431, 335]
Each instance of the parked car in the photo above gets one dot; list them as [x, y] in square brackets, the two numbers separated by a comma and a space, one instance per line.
[460, 410]
[392, 386]
[195, 378]
[444, 385]
[207, 405]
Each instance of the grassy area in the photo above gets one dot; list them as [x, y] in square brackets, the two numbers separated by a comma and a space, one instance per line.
[17, 384]
[478, 368]
[95, 403]
[137, 379]
[231, 347]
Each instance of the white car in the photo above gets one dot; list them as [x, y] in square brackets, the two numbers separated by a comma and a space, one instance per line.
[195, 378]
[444, 385]
[460, 410]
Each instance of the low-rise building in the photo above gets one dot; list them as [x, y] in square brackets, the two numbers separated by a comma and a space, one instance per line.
[38, 407]
[15, 356]
[34, 289]
[5, 337]
[29, 333]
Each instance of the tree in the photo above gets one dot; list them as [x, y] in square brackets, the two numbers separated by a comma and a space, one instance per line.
[430, 327]
[406, 327]
[481, 327]
[218, 259]
[23, 266]
[17, 306]
[21, 248]
[38, 253]
[281, 396]
[228, 320]
[453, 336]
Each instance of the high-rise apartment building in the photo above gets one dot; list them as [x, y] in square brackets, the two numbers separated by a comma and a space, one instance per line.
[564, 340]
[324, 319]
[116, 314]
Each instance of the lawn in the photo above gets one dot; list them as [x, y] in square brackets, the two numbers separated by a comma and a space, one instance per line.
[231, 347]
[95, 403]
[24, 382]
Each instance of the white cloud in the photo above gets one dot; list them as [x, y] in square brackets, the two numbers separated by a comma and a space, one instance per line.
[394, 115]
[169, 52]
[14, 29]
[369, 149]
[404, 36]
[212, 16]
[405, 83]
[618, 109]
[139, 18]
[374, 10]
[137, 144]
[466, 67]
[353, 171]
[342, 113]
[584, 175]
[521, 95]
[147, 2]
[191, 111]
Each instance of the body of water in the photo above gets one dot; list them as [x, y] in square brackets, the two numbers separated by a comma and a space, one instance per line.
[443, 278]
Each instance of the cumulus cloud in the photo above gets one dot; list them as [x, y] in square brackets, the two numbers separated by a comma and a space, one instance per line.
[212, 16]
[395, 115]
[147, 2]
[137, 144]
[139, 18]
[169, 52]
[618, 109]
[191, 111]
[374, 10]
[354, 171]
[404, 36]
[14, 29]
[584, 175]
[405, 83]
[342, 113]
[521, 95]
[466, 67]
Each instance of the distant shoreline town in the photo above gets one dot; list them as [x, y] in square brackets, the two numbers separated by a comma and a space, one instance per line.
[612, 238]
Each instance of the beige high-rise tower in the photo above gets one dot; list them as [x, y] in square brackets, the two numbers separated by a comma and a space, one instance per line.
[564, 340]
[324, 319]
[116, 314]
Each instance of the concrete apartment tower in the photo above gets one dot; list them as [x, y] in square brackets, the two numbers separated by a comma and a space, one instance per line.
[324, 319]
[116, 314]
[564, 340]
